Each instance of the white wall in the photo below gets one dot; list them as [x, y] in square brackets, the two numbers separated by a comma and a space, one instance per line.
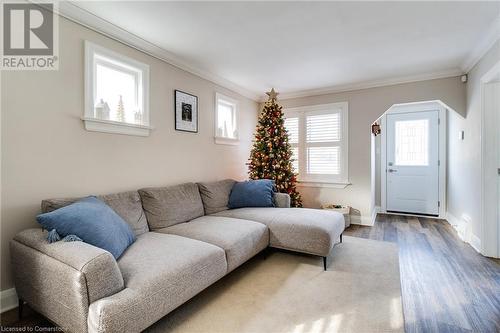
[464, 157]
[46, 152]
[365, 106]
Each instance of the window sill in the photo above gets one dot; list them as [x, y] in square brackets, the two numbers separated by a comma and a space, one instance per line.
[340, 185]
[226, 141]
[115, 127]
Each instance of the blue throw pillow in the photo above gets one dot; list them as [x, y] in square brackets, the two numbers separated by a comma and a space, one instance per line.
[252, 193]
[94, 222]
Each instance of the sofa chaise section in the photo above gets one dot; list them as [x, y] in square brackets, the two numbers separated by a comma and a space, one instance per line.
[312, 231]
[160, 273]
[240, 239]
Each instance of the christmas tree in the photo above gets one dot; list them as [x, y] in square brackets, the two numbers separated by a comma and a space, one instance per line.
[120, 111]
[271, 156]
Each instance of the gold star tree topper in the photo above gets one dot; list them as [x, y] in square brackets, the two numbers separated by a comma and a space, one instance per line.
[272, 94]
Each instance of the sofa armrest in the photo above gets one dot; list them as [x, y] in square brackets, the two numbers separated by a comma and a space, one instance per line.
[282, 200]
[98, 267]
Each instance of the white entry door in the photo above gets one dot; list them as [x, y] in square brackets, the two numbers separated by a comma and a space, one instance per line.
[413, 163]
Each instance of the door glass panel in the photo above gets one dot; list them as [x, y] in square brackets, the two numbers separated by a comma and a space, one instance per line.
[412, 142]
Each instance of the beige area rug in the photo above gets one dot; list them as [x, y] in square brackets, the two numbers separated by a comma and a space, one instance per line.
[288, 292]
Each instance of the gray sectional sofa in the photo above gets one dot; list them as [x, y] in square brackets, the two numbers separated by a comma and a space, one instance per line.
[187, 239]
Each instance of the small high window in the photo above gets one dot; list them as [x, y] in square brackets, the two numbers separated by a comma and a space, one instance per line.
[226, 120]
[116, 92]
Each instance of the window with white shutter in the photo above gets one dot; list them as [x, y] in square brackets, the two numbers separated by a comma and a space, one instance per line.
[318, 136]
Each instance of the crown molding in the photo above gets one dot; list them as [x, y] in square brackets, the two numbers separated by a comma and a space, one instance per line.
[91, 21]
[483, 46]
[371, 84]
[85, 18]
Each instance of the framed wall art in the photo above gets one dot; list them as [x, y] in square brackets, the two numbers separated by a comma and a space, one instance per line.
[186, 112]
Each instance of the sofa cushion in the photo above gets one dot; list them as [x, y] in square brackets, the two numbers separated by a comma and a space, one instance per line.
[252, 193]
[94, 222]
[215, 195]
[313, 231]
[166, 206]
[240, 239]
[160, 273]
[126, 204]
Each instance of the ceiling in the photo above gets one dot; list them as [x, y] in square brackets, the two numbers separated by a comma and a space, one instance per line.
[302, 48]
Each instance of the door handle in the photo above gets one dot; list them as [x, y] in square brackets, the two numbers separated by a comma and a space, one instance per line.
[392, 170]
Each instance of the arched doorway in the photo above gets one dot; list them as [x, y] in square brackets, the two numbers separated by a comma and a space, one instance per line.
[409, 160]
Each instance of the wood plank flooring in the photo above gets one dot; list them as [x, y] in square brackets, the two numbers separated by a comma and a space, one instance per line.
[446, 285]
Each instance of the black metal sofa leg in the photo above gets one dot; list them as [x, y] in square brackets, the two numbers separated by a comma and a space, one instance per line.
[266, 252]
[325, 258]
[20, 309]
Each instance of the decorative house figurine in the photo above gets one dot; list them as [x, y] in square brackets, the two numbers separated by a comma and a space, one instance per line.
[102, 110]
[138, 117]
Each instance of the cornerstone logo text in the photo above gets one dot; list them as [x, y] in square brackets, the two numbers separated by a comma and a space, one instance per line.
[29, 36]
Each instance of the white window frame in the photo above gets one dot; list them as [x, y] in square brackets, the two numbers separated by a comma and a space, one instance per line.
[304, 179]
[123, 63]
[220, 98]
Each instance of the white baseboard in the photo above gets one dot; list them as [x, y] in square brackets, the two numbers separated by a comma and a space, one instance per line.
[475, 242]
[375, 211]
[462, 227]
[457, 224]
[8, 300]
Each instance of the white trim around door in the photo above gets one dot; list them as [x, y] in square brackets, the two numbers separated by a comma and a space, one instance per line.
[410, 108]
[490, 159]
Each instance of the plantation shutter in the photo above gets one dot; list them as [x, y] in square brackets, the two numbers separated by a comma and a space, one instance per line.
[323, 136]
[318, 137]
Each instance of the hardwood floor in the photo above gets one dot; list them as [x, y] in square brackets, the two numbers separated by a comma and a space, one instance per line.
[446, 285]
[31, 322]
